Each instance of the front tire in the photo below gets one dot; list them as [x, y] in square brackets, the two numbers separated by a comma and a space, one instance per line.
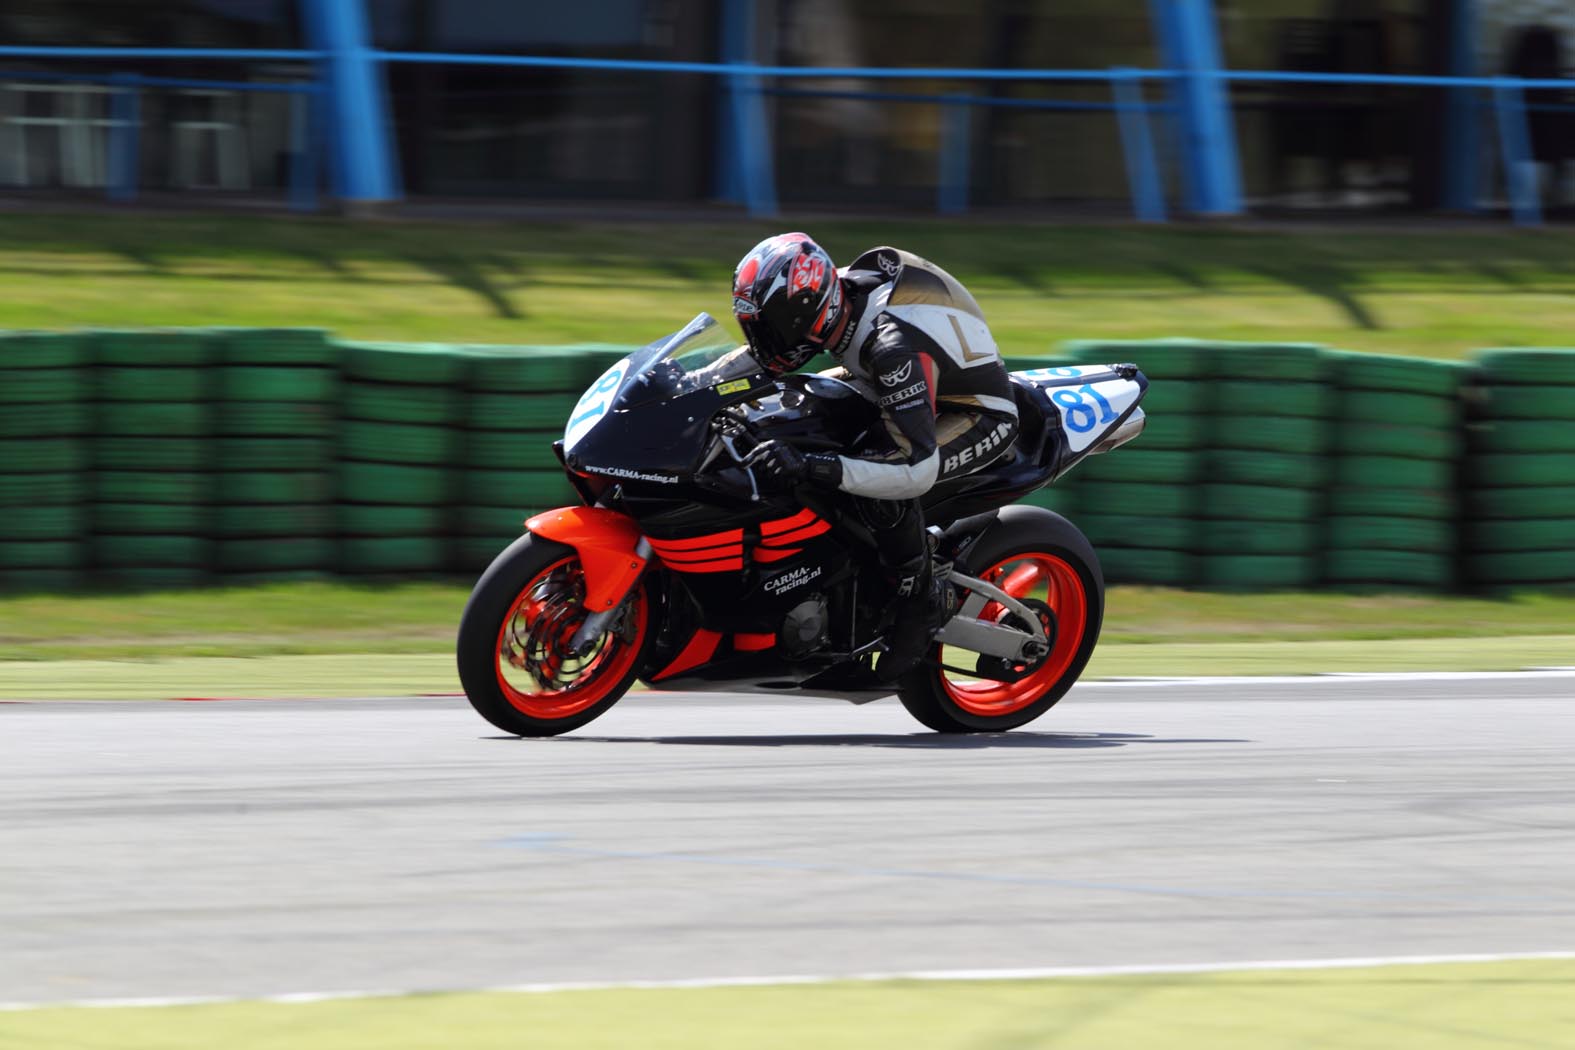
[515, 662]
[1042, 559]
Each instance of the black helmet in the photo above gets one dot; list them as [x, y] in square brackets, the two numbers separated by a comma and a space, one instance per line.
[788, 300]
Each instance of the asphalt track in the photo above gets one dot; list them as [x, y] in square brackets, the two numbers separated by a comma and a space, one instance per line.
[267, 848]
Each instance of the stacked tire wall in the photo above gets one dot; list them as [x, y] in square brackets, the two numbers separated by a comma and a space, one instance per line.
[44, 427]
[166, 458]
[1520, 473]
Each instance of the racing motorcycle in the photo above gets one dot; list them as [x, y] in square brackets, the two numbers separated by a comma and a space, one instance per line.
[679, 571]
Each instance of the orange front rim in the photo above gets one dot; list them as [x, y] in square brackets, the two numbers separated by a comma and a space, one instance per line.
[1035, 575]
[537, 670]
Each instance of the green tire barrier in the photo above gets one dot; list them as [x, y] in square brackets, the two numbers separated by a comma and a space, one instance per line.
[274, 383]
[1552, 468]
[1159, 359]
[1539, 567]
[1262, 502]
[140, 551]
[1259, 571]
[542, 369]
[1177, 397]
[23, 490]
[1409, 375]
[41, 554]
[63, 522]
[398, 443]
[1407, 410]
[1132, 530]
[1383, 439]
[272, 487]
[1549, 501]
[160, 348]
[149, 418]
[1178, 433]
[275, 419]
[1535, 367]
[275, 346]
[522, 488]
[41, 386]
[1522, 436]
[42, 456]
[1426, 535]
[1536, 534]
[245, 454]
[1274, 399]
[158, 519]
[39, 421]
[1527, 402]
[519, 411]
[31, 581]
[395, 484]
[414, 363]
[300, 520]
[394, 554]
[1392, 502]
[41, 350]
[1257, 537]
[1237, 466]
[156, 453]
[504, 523]
[130, 486]
[1379, 471]
[1304, 362]
[1155, 501]
[512, 450]
[1135, 463]
[273, 554]
[1139, 565]
[390, 403]
[379, 520]
[1389, 567]
[188, 385]
[1299, 435]
[159, 577]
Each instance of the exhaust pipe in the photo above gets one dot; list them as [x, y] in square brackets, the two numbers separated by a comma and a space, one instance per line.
[1121, 435]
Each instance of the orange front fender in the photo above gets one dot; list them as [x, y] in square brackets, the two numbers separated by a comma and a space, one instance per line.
[608, 545]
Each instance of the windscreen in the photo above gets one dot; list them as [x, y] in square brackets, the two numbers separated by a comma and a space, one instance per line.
[700, 354]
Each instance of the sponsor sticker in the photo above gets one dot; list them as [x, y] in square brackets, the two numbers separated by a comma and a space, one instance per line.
[732, 386]
[787, 581]
[743, 307]
[634, 475]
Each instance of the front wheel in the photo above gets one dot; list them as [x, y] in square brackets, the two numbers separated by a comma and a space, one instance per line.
[1042, 560]
[517, 662]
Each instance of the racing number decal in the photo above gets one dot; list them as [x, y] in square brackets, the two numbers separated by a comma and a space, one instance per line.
[593, 404]
[1079, 416]
[1087, 411]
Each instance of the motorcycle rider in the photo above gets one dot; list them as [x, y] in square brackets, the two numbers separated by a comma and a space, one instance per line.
[913, 340]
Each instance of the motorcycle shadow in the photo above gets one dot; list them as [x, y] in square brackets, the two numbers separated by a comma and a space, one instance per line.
[921, 741]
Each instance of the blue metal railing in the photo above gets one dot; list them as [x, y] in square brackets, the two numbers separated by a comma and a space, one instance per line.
[746, 111]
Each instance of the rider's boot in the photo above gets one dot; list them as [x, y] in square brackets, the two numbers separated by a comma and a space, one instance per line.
[920, 610]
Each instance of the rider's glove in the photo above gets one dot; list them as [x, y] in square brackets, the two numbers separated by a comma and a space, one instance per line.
[779, 465]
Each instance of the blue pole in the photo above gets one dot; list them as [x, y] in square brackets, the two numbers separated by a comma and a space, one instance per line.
[956, 152]
[1148, 197]
[1461, 144]
[737, 37]
[756, 163]
[1520, 168]
[125, 111]
[363, 169]
[1190, 45]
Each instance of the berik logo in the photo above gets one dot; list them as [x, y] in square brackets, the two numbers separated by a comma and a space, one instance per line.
[888, 264]
[898, 377]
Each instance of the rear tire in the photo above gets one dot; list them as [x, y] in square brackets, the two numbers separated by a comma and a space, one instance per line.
[1052, 563]
[513, 636]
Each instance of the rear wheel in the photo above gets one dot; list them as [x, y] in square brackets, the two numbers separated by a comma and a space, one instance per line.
[517, 661]
[1042, 560]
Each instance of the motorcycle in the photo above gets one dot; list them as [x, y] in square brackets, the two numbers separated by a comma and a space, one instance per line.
[678, 571]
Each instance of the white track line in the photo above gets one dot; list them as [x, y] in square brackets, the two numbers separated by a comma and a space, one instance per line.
[1021, 974]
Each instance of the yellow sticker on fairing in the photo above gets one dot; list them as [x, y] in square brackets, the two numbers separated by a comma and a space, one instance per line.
[733, 387]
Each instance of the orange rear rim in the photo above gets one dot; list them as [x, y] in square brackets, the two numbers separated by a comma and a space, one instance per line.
[537, 671]
[1035, 575]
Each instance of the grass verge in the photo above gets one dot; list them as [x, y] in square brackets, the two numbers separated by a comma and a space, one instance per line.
[1431, 292]
[1420, 1007]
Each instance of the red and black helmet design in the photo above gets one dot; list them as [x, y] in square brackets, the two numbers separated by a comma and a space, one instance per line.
[788, 300]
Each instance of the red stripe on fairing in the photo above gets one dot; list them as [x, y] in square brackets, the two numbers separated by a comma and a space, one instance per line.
[701, 647]
[772, 554]
[724, 565]
[928, 364]
[802, 518]
[735, 550]
[753, 643]
[798, 535]
[715, 539]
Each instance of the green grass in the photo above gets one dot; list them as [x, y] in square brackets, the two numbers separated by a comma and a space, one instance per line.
[1433, 1007]
[316, 639]
[1434, 293]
